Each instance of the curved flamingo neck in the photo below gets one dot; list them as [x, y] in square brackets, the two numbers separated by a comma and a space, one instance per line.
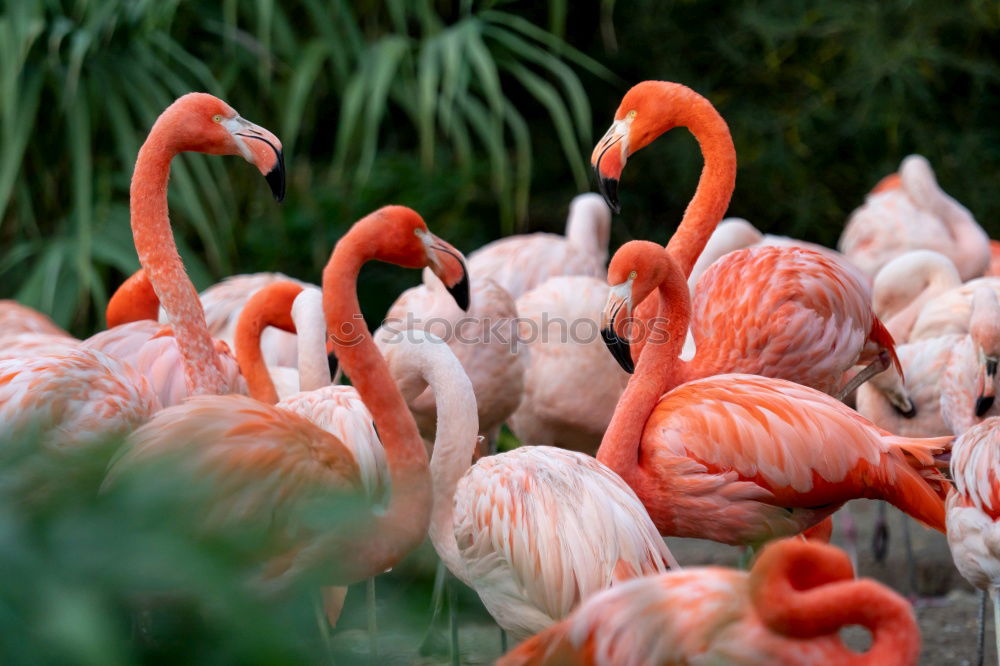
[717, 181]
[659, 369]
[270, 306]
[810, 592]
[154, 243]
[404, 523]
[314, 366]
[454, 443]
[134, 300]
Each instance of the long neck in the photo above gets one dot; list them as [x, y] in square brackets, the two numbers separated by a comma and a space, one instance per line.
[404, 523]
[715, 186]
[659, 368]
[154, 243]
[454, 445]
[134, 300]
[307, 313]
[266, 308]
[825, 609]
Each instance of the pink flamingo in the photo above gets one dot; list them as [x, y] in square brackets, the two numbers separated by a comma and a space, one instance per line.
[480, 333]
[787, 610]
[968, 386]
[973, 510]
[535, 530]
[16, 318]
[571, 383]
[906, 284]
[909, 211]
[994, 267]
[785, 312]
[738, 458]
[269, 456]
[521, 263]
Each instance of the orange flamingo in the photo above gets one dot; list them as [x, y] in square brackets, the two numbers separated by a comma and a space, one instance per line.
[269, 456]
[785, 312]
[973, 510]
[787, 610]
[739, 458]
[907, 211]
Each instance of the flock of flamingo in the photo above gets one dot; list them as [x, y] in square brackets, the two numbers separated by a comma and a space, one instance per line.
[754, 385]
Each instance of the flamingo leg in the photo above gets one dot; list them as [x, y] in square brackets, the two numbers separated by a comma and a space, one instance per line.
[872, 369]
[372, 626]
[996, 619]
[453, 622]
[850, 531]
[880, 535]
[503, 642]
[980, 648]
[911, 560]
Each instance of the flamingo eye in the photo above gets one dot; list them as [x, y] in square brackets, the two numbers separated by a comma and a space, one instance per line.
[631, 114]
[217, 118]
[631, 276]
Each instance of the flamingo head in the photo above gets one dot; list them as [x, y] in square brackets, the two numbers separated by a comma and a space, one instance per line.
[984, 327]
[646, 112]
[637, 268]
[202, 123]
[406, 241]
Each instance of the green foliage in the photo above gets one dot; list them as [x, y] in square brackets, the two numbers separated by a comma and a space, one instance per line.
[346, 85]
[823, 99]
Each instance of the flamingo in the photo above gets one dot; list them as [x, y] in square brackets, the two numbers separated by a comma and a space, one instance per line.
[264, 457]
[786, 312]
[994, 267]
[521, 263]
[533, 531]
[184, 361]
[973, 509]
[909, 211]
[906, 284]
[571, 383]
[968, 386]
[480, 333]
[739, 458]
[787, 610]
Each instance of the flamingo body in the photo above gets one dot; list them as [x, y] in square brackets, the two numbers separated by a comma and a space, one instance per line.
[85, 396]
[16, 318]
[151, 349]
[571, 384]
[539, 529]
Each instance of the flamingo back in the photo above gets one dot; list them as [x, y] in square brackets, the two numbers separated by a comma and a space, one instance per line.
[29, 345]
[151, 349]
[16, 318]
[782, 312]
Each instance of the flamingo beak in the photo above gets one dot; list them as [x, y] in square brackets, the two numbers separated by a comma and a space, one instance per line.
[608, 160]
[261, 148]
[619, 297]
[448, 265]
[987, 394]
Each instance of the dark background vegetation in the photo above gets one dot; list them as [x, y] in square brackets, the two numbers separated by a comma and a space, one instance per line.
[481, 116]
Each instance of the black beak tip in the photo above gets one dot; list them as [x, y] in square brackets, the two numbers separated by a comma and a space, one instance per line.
[460, 292]
[331, 360]
[609, 190]
[276, 178]
[619, 348]
[906, 414]
[983, 404]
